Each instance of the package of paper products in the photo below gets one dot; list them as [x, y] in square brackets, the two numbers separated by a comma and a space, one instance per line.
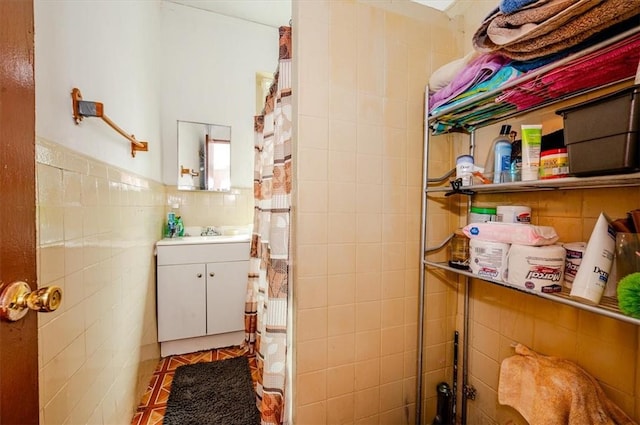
[513, 233]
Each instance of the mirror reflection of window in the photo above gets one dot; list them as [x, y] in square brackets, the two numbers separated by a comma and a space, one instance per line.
[218, 163]
[204, 156]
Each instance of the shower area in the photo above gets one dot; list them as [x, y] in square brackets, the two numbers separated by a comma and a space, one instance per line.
[362, 69]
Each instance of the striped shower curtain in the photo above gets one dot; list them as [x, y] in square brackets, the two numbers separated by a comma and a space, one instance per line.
[266, 303]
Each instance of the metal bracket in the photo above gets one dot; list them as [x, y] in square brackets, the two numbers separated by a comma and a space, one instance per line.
[456, 186]
[469, 392]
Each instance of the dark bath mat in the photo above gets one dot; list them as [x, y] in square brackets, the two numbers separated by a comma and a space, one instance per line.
[215, 393]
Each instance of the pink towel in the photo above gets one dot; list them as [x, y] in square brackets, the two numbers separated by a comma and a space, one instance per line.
[617, 62]
[479, 69]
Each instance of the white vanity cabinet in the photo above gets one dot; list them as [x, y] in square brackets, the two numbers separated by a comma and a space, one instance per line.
[226, 293]
[182, 301]
[201, 290]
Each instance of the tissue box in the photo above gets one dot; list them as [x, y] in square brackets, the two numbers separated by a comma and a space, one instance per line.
[601, 135]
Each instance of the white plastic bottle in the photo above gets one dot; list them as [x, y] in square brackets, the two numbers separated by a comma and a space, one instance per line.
[593, 274]
[494, 167]
[502, 163]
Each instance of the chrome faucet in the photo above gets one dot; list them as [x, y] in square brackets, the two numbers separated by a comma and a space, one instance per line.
[210, 231]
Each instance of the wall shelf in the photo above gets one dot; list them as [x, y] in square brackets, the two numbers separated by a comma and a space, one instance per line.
[565, 183]
[617, 62]
[623, 56]
[608, 306]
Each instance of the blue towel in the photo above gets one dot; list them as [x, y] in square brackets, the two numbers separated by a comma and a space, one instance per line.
[526, 66]
[510, 6]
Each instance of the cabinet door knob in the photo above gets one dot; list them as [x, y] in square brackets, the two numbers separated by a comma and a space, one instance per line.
[199, 275]
[212, 274]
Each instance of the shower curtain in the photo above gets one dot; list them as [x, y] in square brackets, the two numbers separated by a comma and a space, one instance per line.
[266, 304]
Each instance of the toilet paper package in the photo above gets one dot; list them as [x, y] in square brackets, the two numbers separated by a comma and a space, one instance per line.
[537, 268]
[488, 260]
[522, 234]
[575, 252]
[513, 214]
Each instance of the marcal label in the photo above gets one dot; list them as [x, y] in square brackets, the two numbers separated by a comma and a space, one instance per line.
[488, 272]
[545, 273]
[571, 268]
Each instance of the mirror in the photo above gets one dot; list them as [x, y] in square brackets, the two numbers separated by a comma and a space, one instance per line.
[204, 156]
[216, 68]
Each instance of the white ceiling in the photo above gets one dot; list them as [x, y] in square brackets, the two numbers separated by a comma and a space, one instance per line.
[436, 4]
[274, 13]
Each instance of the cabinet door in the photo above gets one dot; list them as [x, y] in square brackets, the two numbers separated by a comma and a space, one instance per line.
[226, 290]
[181, 302]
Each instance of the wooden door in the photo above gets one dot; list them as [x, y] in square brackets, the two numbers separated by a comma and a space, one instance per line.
[18, 340]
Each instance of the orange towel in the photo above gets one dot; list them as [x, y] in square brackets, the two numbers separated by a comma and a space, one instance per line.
[553, 391]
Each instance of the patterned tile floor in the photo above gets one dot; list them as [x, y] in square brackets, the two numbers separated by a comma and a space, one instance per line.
[154, 401]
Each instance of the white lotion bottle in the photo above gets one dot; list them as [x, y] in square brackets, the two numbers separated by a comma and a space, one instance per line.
[593, 274]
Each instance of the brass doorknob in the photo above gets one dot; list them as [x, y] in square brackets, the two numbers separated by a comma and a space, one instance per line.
[16, 299]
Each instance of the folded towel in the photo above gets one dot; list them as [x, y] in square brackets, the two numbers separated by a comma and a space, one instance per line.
[614, 63]
[554, 391]
[446, 73]
[547, 28]
[501, 77]
[520, 26]
[480, 69]
[525, 66]
[474, 115]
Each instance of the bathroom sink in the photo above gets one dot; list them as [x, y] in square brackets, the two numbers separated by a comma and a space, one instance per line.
[196, 240]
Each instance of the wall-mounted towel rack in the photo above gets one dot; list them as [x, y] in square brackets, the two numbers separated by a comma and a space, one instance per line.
[83, 108]
[188, 171]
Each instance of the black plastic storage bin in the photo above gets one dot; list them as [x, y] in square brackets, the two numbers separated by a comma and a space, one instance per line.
[601, 135]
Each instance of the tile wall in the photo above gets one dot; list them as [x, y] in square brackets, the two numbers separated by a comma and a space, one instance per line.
[97, 226]
[203, 208]
[96, 229]
[361, 72]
